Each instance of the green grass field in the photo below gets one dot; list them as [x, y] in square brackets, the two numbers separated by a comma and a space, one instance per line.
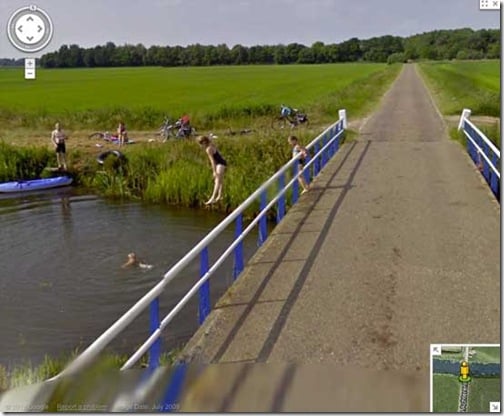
[142, 96]
[482, 391]
[487, 355]
[445, 392]
[465, 84]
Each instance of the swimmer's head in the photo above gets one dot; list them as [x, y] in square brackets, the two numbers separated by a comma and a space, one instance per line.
[132, 256]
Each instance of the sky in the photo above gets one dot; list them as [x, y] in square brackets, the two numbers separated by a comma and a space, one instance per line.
[247, 22]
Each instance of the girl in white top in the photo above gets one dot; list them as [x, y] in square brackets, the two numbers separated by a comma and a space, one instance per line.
[298, 149]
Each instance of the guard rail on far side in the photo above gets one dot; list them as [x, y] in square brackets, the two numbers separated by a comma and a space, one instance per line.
[483, 152]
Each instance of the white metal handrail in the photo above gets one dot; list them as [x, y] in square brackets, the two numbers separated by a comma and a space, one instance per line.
[464, 119]
[91, 352]
[487, 141]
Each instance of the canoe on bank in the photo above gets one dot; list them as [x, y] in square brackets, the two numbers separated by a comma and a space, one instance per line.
[35, 184]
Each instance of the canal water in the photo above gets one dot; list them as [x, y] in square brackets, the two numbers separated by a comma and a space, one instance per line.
[61, 281]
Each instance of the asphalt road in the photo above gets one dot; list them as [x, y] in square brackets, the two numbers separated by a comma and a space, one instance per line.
[396, 247]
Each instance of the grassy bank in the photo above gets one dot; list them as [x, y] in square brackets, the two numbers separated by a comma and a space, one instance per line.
[27, 373]
[463, 84]
[466, 84]
[179, 173]
[23, 162]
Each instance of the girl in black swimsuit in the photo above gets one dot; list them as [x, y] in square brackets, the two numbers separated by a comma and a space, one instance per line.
[218, 168]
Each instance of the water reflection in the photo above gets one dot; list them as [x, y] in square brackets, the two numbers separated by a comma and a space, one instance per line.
[61, 254]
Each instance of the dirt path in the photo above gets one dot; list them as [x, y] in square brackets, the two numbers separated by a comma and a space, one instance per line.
[397, 240]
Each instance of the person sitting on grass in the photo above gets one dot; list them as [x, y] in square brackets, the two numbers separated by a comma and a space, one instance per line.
[298, 149]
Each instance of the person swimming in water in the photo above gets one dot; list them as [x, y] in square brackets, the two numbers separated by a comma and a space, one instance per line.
[133, 260]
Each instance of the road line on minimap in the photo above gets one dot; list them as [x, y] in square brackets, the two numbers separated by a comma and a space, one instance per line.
[464, 388]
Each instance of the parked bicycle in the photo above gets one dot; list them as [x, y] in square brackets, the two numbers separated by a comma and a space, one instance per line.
[180, 129]
[291, 117]
[108, 137]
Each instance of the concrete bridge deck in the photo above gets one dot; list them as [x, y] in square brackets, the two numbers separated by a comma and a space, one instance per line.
[396, 247]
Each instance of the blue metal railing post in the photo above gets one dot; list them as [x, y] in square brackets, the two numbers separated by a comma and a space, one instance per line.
[324, 153]
[339, 127]
[331, 147]
[295, 185]
[174, 390]
[204, 290]
[281, 200]
[238, 251]
[306, 172]
[494, 183]
[486, 166]
[263, 226]
[316, 164]
[155, 349]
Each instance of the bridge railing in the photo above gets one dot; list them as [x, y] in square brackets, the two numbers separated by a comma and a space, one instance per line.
[323, 147]
[482, 151]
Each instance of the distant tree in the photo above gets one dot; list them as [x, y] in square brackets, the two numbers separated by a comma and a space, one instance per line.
[306, 56]
[88, 58]
[292, 51]
[239, 55]
[319, 53]
[396, 58]
[350, 50]
[224, 54]
[494, 51]
[463, 54]
[280, 55]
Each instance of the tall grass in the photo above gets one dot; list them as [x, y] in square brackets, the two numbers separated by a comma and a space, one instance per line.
[179, 172]
[18, 163]
[28, 373]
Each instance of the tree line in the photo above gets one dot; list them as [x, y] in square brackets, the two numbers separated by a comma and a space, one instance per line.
[11, 62]
[436, 45]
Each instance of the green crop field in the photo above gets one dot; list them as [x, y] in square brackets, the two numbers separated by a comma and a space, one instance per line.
[482, 391]
[92, 97]
[487, 355]
[465, 84]
[445, 393]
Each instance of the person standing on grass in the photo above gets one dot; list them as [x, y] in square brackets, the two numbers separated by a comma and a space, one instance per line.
[58, 138]
[218, 167]
[298, 149]
[122, 134]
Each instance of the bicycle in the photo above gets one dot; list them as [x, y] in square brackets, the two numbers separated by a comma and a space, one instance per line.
[108, 137]
[178, 130]
[293, 119]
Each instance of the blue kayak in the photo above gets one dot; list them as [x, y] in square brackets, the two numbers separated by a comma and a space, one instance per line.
[35, 184]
